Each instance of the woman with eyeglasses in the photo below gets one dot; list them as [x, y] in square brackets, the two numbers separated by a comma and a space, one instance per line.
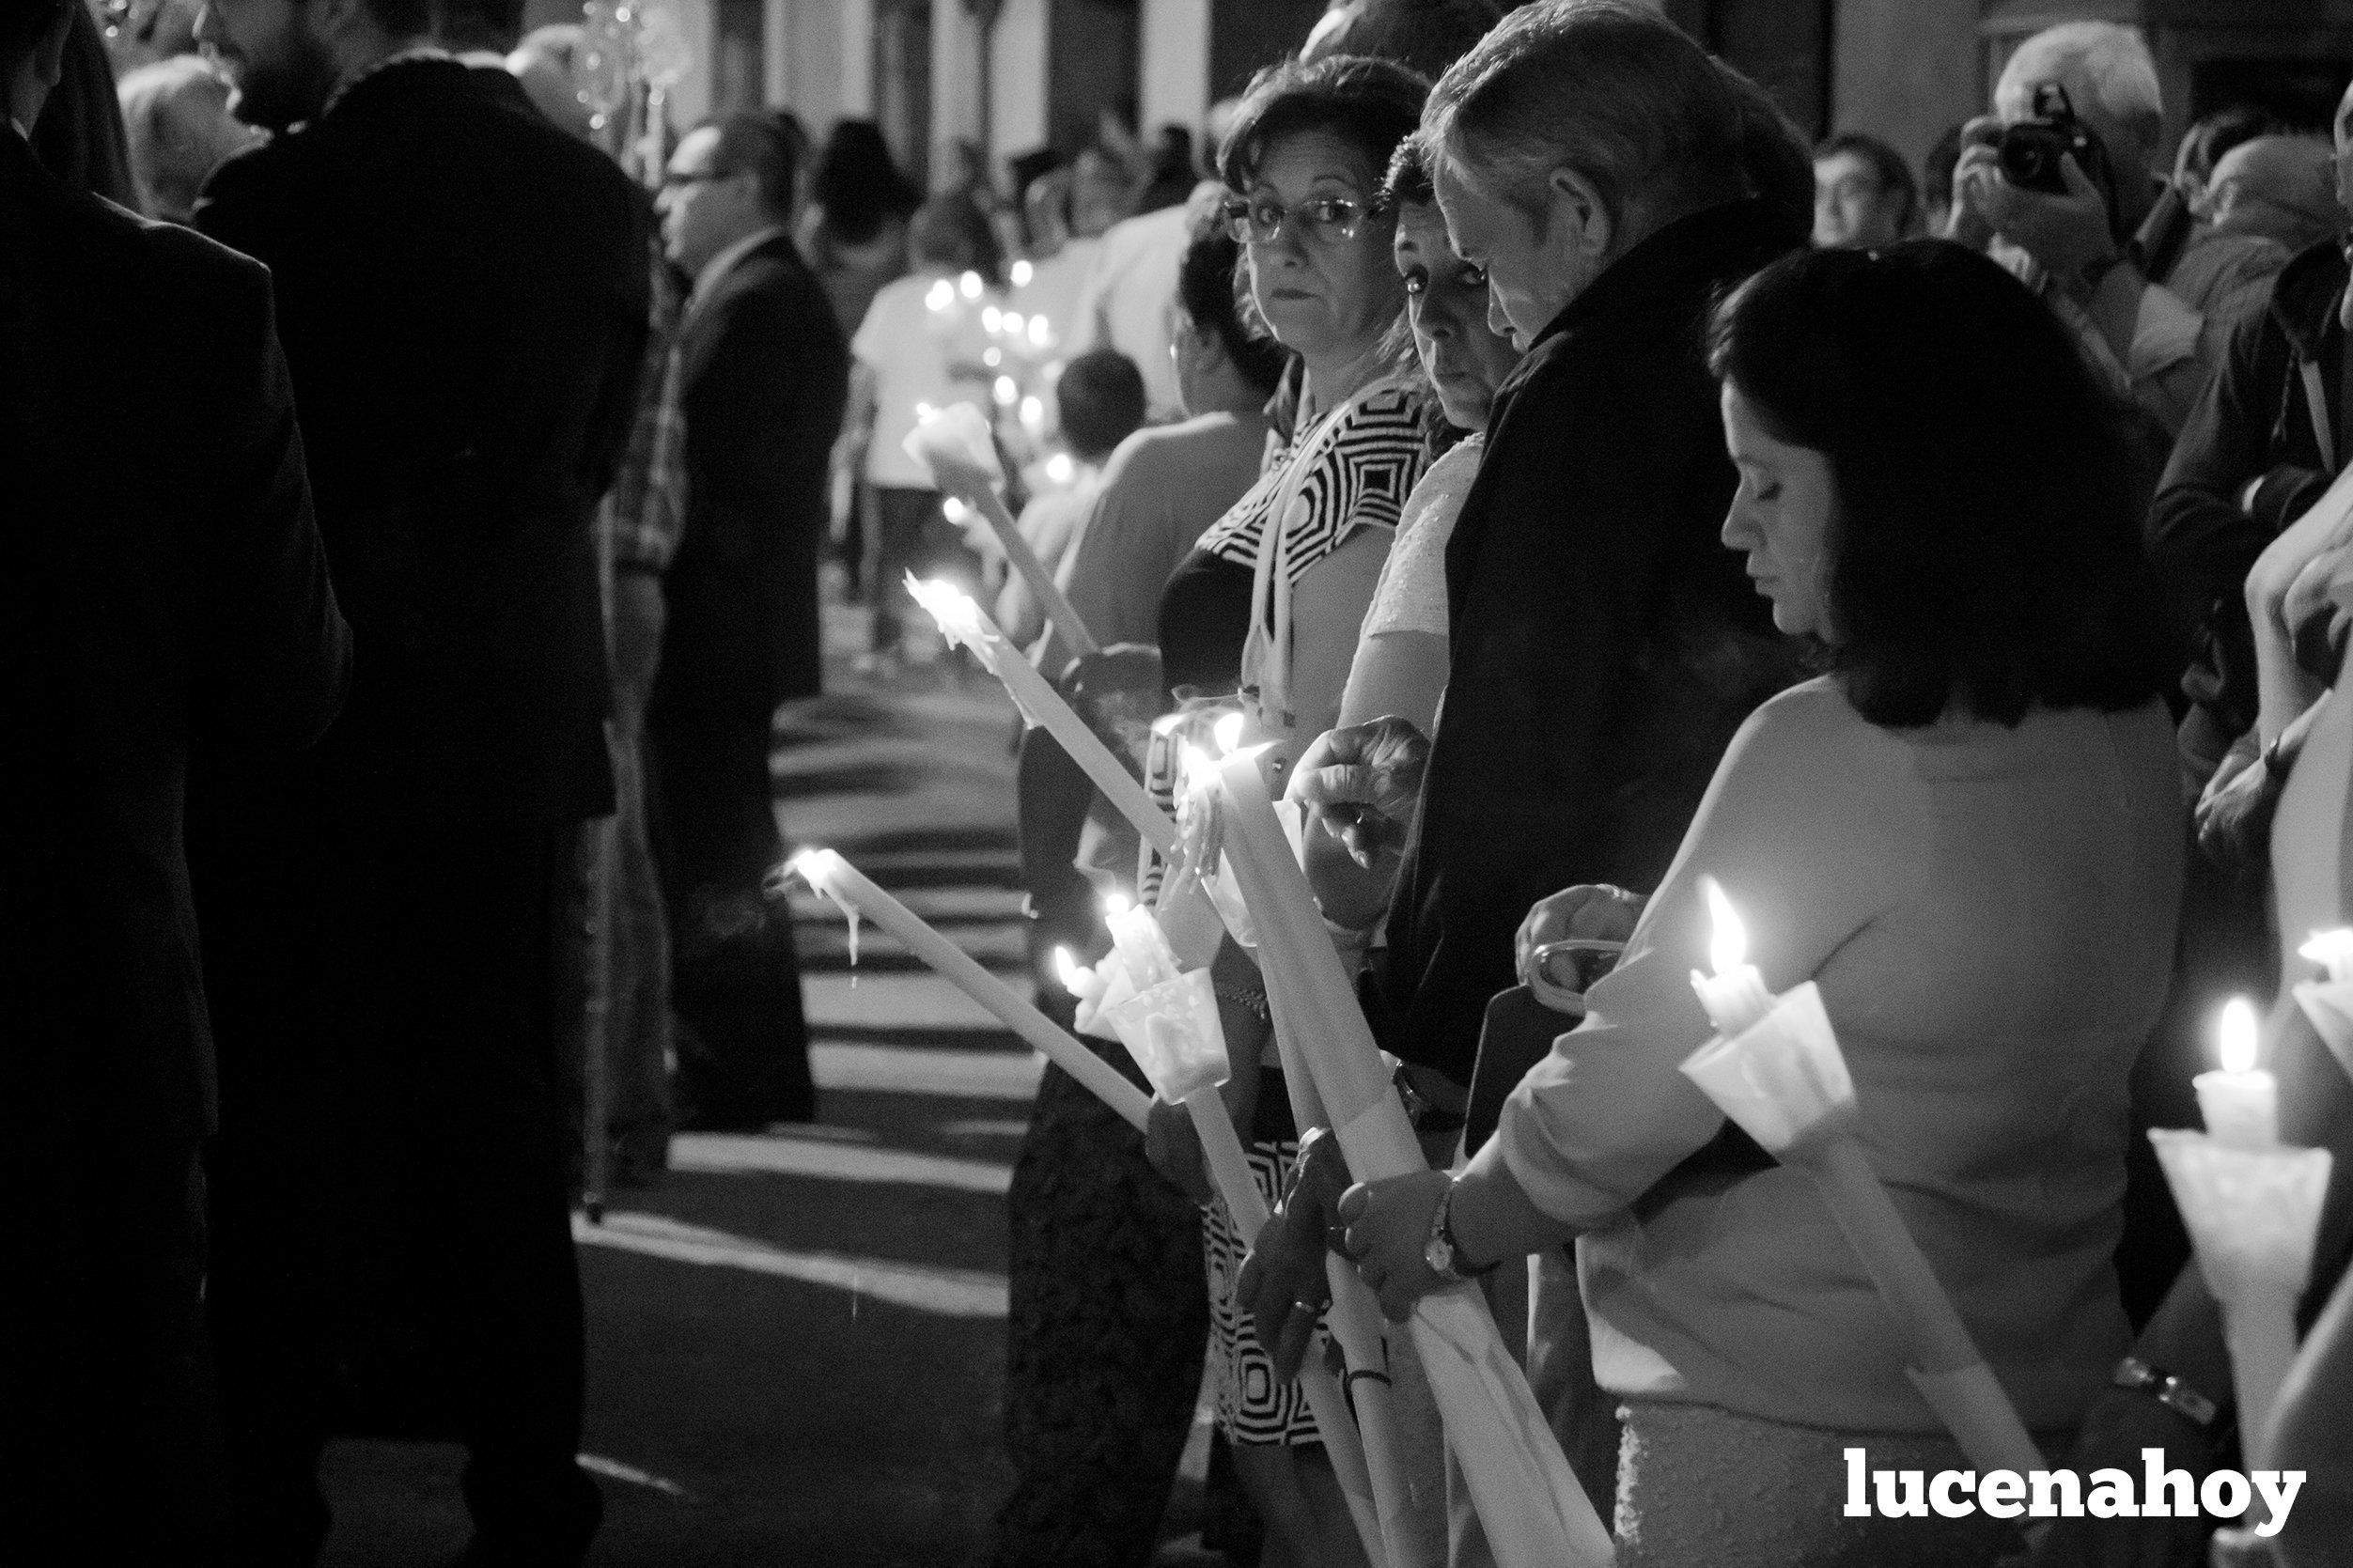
[1270, 603]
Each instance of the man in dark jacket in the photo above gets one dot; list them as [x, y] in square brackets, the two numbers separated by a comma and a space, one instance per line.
[763, 376]
[1604, 644]
[462, 293]
[164, 580]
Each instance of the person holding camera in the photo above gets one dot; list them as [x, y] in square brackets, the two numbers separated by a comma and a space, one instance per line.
[2065, 173]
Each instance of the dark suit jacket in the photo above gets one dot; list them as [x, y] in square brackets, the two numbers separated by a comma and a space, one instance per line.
[163, 578]
[1604, 644]
[461, 293]
[763, 377]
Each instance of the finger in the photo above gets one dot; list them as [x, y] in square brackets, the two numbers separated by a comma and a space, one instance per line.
[1291, 1345]
[2078, 184]
[1333, 784]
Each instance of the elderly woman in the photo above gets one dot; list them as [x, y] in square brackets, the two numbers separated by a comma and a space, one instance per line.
[1966, 834]
[1271, 600]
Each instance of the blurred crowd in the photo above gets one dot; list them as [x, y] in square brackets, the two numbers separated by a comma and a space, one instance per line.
[1583, 484]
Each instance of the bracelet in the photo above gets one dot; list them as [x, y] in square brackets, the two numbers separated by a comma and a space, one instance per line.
[2171, 1391]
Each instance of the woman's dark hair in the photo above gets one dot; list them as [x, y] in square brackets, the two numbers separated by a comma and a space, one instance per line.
[1208, 292]
[858, 185]
[1985, 551]
[1370, 104]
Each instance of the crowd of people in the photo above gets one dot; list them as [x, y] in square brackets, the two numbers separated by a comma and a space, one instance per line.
[1584, 488]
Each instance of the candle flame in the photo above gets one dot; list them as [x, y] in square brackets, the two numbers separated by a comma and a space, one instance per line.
[1196, 769]
[949, 605]
[1116, 904]
[2329, 947]
[1728, 941]
[1228, 732]
[814, 866]
[2238, 1035]
[969, 286]
[1067, 970]
[991, 320]
[1023, 273]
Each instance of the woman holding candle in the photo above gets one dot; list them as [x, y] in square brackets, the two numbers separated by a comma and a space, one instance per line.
[1964, 833]
[1272, 598]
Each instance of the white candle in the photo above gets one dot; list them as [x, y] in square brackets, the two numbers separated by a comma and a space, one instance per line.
[1077, 979]
[1735, 996]
[962, 621]
[2333, 950]
[2241, 1103]
[836, 879]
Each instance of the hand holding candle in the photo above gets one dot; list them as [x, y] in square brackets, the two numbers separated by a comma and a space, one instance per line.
[1782, 1077]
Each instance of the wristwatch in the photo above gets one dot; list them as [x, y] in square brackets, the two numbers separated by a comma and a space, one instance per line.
[1439, 1251]
[2171, 1391]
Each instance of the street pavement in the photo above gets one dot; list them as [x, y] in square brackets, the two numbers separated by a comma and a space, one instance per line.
[796, 1339]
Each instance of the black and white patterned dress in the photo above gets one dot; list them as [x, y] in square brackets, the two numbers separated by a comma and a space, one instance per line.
[1363, 462]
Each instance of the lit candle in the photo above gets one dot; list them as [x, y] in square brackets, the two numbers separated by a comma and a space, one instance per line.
[1023, 273]
[1075, 978]
[2334, 950]
[961, 621]
[969, 286]
[831, 876]
[1735, 996]
[2241, 1103]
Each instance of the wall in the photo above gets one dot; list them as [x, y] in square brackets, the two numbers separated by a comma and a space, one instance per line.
[1904, 70]
[1175, 64]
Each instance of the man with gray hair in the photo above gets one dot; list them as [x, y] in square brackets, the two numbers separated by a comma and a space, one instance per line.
[2281, 188]
[1613, 181]
[2113, 252]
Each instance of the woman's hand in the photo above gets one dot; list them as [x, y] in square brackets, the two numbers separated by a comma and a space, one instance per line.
[1173, 1148]
[1388, 1224]
[1591, 912]
[1364, 784]
[1284, 1286]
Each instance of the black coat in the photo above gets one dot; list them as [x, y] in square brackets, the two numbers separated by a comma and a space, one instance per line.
[1604, 644]
[163, 578]
[163, 581]
[2254, 423]
[763, 378]
[461, 293]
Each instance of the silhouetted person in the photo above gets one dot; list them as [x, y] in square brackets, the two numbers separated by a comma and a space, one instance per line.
[763, 375]
[462, 289]
[164, 580]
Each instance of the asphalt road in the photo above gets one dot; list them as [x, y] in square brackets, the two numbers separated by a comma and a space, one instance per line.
[796, 1340]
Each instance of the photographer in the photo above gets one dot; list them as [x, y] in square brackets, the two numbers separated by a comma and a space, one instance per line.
[2066, 175]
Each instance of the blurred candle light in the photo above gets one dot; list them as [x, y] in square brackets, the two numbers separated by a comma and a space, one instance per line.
[992, 318]
[953, 509]
[1007, 391]
[1040, 334]
[1034, 414]
[969, 286]
[992, 357]
[1227, 733]
[940, 295]
[1023, 273]
[1060, 468]
[2240, 1103]
[1014, 323]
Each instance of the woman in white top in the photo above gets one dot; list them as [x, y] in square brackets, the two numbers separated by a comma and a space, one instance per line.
[1967, 834]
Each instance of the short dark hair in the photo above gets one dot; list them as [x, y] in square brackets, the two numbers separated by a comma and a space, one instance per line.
[756, 144]
[1608, 88]
[859, 184]
[1424, 36]
[1100, 396]
[1370, 104]
[1209, 292]
[1887, 166]
[1985, 552]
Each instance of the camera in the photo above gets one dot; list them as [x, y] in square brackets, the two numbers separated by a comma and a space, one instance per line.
[2032, 148]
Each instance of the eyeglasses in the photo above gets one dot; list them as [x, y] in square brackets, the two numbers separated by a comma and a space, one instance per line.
[1326, 220]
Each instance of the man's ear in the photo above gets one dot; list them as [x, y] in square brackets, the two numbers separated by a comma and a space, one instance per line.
[1577, 201]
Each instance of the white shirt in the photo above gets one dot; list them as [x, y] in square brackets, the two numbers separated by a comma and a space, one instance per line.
[918, 355]
[1125, 303]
